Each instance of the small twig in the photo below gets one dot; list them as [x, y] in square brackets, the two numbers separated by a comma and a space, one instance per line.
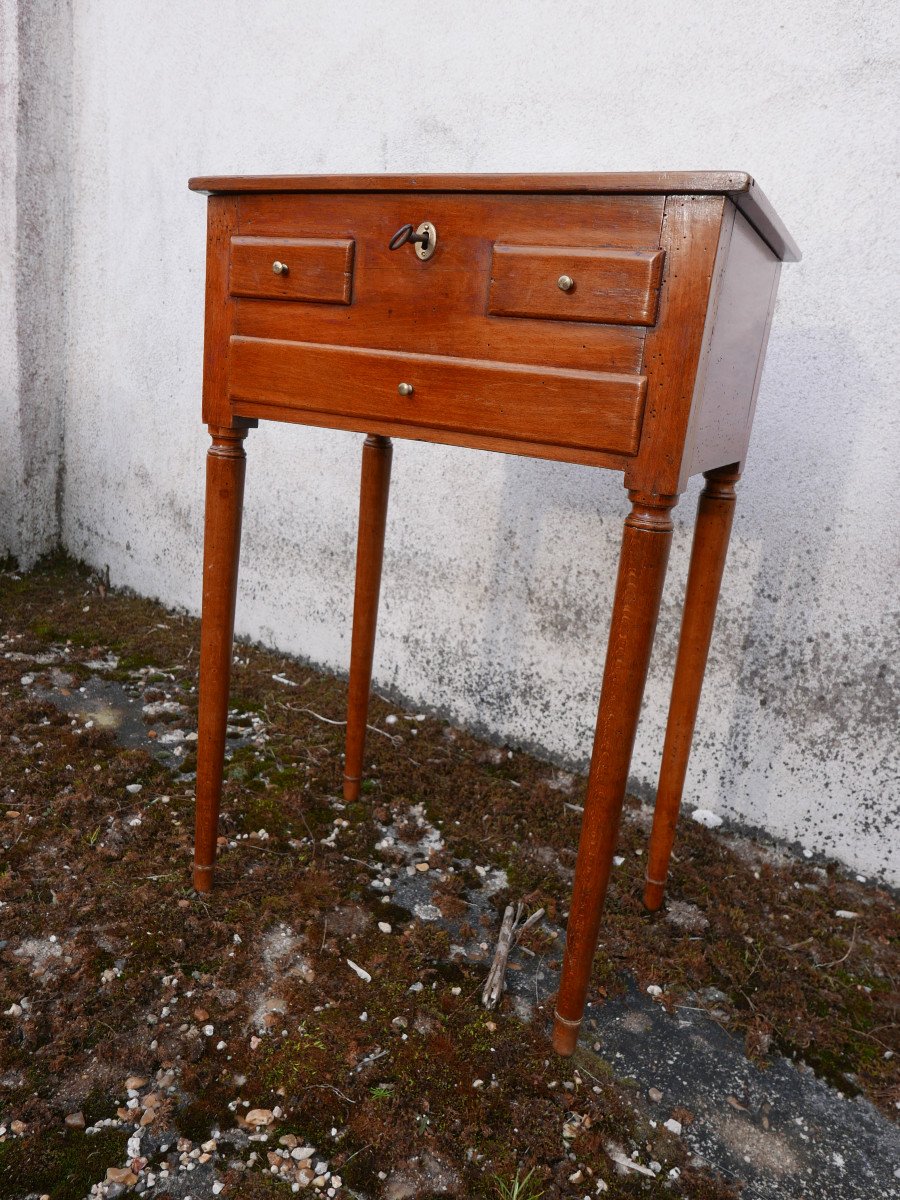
[318, 716]
[493, 985]
[755, 965]
[532, 920]
[261, 849]
[361, 1150]
[843, 957]
[330, 1088]
[511, 930]
[589, 1074]
[309, 832]
[368, 1060]
[393, 738]
[330, 721]
[463, 999]
[706, 1012]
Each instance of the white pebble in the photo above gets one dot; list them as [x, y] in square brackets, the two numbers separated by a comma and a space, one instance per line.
[672, 1125]
[654, 990]
[706, 817]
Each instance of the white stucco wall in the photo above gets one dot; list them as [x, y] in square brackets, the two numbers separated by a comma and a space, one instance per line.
[499, 570]
[35, 126]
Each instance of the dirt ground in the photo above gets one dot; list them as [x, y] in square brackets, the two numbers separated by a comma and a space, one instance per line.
[315, 1023]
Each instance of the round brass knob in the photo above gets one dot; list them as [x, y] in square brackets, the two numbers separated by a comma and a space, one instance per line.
[405, 389]
[565, 283]
[279, 268]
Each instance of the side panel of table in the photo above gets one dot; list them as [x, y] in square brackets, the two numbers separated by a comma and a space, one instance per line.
[737, 333]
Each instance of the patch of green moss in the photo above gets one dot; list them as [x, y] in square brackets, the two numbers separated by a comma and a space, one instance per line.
[264, 811]
[197, 1119]
[241, 702]
[62, 1165]
[294, 1062]
[134, 661]
[47, 632]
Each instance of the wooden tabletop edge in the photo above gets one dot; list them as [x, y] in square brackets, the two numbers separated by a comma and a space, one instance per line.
[583, 183]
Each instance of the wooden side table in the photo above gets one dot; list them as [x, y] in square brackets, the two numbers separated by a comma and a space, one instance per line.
[618, 321]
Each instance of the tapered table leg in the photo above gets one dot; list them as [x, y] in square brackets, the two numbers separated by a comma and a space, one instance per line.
[225, 468]
[642, 567]
[375, 483]
[715, 513]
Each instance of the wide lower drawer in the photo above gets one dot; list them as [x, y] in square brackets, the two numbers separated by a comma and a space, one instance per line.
[588, 410]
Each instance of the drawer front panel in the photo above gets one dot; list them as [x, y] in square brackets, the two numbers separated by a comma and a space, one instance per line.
[588, 410]
[402, 324]
[443, 305]
[318, 270]
[615, 286]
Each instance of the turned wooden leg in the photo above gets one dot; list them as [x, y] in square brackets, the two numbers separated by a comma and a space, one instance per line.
[375, 483]
[225, 466]
[715, 512]
[642, 568]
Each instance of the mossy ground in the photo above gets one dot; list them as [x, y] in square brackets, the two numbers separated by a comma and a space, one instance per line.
[795, 977]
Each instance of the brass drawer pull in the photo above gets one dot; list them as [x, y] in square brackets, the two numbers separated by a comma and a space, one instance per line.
[405, 389]
[279, 268]
[565, 283]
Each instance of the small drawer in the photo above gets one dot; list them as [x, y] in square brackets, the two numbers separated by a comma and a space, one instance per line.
[591, 410]
[319, 270]
[601, 284]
